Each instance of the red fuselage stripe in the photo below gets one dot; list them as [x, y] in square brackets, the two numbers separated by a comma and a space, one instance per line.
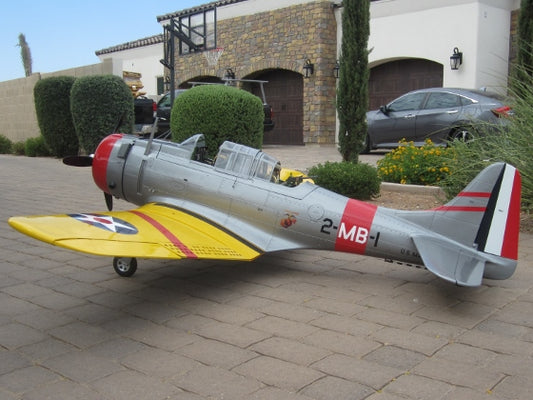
[461, 208]
[353, 231]
[169, 235]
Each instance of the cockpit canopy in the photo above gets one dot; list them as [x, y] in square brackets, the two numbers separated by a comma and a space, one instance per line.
[239, 160]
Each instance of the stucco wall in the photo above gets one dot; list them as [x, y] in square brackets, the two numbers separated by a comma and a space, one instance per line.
[18, 120]
[280, 39]
[479, 28]
[144, 60]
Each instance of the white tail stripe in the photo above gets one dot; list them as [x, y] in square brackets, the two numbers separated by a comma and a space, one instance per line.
[496, 234]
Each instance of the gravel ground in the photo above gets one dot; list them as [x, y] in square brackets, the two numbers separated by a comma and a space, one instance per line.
[424, 201]
[409, 200]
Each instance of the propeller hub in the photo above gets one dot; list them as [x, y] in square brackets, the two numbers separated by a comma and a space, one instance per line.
[101, 159]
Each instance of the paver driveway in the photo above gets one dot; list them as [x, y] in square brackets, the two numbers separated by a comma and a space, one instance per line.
[291, 325]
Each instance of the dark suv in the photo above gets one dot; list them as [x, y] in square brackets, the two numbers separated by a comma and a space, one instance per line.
[163, 111]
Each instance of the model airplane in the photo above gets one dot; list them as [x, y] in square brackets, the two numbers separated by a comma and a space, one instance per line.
[243, 204]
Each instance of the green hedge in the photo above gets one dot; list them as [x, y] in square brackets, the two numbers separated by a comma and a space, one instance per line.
[36, 147]
[97, 104]
[6, 145]
[220, 113]
[52, 105]
[358, 181]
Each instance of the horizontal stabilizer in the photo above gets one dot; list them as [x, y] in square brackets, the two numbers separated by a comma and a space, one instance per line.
[450, 260]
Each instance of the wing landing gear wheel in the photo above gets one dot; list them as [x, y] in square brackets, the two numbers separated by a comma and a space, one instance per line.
[125, 266]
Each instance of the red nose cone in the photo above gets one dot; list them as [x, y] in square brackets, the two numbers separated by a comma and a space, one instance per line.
[101, 158]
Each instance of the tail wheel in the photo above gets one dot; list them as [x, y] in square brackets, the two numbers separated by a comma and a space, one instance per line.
[125, 266]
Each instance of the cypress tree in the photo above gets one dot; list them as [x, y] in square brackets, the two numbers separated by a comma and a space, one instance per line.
[352, 93]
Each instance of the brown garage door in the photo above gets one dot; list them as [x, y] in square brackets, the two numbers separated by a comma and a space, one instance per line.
[284, 92]
[392, 79]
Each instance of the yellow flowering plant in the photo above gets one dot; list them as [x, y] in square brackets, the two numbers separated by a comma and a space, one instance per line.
[408, 164]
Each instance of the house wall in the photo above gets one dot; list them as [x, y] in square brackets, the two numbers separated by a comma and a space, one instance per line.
[280, 39]
[144, 60]
[18, 120]
[431, 29]
[281, 34]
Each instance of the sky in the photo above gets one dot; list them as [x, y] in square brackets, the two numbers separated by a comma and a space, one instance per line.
[65, 34]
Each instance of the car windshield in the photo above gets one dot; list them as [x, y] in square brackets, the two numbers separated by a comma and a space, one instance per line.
[165, 100]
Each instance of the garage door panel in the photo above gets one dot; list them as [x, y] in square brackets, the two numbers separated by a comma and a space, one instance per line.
[284, 92]
[390, 80]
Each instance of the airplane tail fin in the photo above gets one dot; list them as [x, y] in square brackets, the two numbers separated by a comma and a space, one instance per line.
[484, 218]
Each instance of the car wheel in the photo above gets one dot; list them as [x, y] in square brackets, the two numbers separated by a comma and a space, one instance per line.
[366, 145]
[463, 134]
[124, 266]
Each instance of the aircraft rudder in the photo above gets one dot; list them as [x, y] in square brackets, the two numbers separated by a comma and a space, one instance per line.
[499, 230]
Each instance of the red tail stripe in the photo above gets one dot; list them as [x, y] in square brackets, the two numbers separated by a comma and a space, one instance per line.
[474, 194]
[512, 228]
[461, 208]
[169, 235]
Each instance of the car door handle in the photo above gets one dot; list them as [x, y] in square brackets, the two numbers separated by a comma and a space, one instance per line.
[452, 112]
[409, 116]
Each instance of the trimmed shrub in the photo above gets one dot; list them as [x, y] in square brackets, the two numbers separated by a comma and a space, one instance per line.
[52, 105]
[359, 181]
[100, 104]
[220, 113]
[19, 148]
[407, 164]
[36, 147]
[6, 146]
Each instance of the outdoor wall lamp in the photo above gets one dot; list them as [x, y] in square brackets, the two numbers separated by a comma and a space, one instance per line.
[309, 68]
[336, 69]
[166, 64]
[456, 59]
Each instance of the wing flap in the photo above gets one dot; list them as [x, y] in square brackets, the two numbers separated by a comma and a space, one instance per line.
[151, 231]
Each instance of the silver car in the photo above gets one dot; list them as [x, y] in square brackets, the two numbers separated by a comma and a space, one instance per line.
[440, 114]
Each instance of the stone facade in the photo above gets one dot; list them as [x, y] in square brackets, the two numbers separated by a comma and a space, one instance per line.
[281, 39]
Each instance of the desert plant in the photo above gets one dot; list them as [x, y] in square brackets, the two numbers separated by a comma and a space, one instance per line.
[25, 54]
[408, 164]
[353, 180]
[220, 113]
[510, 143]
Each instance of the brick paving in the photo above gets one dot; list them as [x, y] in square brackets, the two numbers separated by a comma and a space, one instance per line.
[292, 325]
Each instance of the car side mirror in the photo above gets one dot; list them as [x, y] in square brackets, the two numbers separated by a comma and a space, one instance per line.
[384, 110]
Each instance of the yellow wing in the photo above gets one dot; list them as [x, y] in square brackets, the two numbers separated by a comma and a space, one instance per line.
[151, 231]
